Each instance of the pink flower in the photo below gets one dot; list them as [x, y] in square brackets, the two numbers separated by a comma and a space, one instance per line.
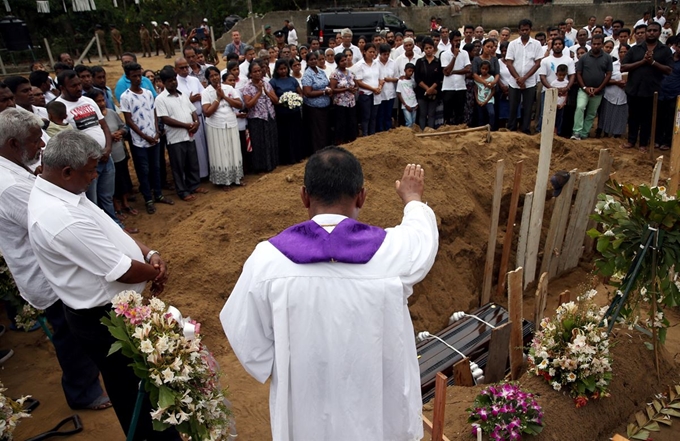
[121, 309]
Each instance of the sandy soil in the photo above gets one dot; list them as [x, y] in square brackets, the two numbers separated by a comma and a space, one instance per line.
[207, 241]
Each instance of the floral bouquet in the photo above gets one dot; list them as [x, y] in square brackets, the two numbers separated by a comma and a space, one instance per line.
[572, 351]
[11, 412]
[178, 371]
[291, 100]
[628, 213]
[505, 412]
[27, 317]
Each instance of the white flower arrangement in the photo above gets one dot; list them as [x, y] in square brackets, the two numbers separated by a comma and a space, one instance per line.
[11, 412]
[571, 351]
[291, 100]
[27, 317]
[179, 372]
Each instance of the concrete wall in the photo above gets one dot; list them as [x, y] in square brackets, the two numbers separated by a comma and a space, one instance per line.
[492, 17]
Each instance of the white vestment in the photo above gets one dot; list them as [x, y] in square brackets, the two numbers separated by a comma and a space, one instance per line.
[336, 338]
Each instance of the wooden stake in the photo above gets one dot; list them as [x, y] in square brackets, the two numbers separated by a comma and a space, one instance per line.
[439, 407]
[493, 233]
[99, 49]
[578, 219]
[524, 230]
[541, 299]
[515, 292]
[656, 174]
[675, 152]
[558, 223]
[427, 427]
[499, 348]
[565, 297]
[605, 163]
[652, 138]
[536, 222]
[87, 48]
[462, 375]
[507, 240]
[454, 132]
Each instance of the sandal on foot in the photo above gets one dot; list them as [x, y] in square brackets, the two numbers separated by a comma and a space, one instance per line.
[120, 215]
[163, 200]
[189, 198]
[664, 148]
[150, 207]
[642, 149]
[101, 403]
[131, 211]
[626, 145]
[200, 190]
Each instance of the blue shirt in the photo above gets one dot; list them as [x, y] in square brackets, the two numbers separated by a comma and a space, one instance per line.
[318, 81]
[108, 97]
[124, 84]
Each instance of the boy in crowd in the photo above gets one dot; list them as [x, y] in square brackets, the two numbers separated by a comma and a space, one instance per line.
[56, 111]
[560, 83]
[407, 95]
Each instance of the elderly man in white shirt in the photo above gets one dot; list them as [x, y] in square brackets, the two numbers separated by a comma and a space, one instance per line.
[20, 148]
[523, 60]
[408, 56]
[87, 260]
[322, 309]
[193, 88]
[347, 44]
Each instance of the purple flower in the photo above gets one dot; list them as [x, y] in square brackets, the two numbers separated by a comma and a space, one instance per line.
[483, 414]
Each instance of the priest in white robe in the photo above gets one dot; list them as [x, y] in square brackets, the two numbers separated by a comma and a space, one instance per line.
[322, 309]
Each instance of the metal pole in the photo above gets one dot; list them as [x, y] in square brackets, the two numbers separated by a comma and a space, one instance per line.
[49, 51]
[87, 48]
[99, 49]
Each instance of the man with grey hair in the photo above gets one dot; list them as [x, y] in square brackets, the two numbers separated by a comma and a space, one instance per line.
[347, 44]
[87, 260]
[408, 56]
[570, 32]
[20, 147]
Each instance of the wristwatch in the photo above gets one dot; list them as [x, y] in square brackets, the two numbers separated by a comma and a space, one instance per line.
[585, 88]
[150, 254]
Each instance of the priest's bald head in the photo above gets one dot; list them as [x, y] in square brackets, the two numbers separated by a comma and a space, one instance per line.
[334, 183]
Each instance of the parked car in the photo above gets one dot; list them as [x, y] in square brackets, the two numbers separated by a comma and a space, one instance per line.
[230, 21]
[328, 23]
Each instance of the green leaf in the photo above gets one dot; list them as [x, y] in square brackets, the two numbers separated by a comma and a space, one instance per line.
[593, 232]
[643, 435]
[649, 346]
[535, 428]
[119, 333]
[652, 426]
[159, 426]
[115, 347]
[602, 244]
[165, 397]
[671, 412]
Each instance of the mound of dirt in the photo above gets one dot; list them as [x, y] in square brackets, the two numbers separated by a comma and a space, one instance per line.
[633, 384]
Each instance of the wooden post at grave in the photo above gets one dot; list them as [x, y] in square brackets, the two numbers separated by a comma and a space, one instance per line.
[524, 230]
[462, 375]
[675, 152]
[439, 407]
[652, 138]
[565, 297]
[499, 349]
[605, 163]
[558, 225]
[515, 291]
[507, 240]
[536, 222]
[541, 300]
[493, 233]
[656, 174]
[578, 220]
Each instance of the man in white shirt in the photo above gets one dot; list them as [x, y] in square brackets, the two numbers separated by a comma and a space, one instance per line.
[23, 95]
[409, 56]
[581, 41]
[401, 49]
[570, 32]
[523, 60]
[87, 260]
[335, 358]
[503, 36]
[444, 42]
[347, 44]
[292, 34]
[388, 93]
[181, 123]
[659, 18]
[192, 88]
[608, 26]
[479, 33]
[547, 73]
[456, 64]
[590, 26]
[20, 148]
[84, 115]
[644, 20]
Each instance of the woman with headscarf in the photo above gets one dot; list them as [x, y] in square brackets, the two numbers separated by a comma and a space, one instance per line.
[344, 100]
[259, 98]
[317, 103]
[288, 121]
[221, 129]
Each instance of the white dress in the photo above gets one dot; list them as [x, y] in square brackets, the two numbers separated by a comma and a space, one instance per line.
[336, 338]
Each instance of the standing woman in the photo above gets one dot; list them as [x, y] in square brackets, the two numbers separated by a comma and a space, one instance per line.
[613, 117]
[295, 70]
[361, 44]
[259, 98]
[302, 57]
[317, 103]
[428, 77]
[288, 121]
[344, 101]
[367, 72]
[473, 51]
[488, 54]
[224, 146]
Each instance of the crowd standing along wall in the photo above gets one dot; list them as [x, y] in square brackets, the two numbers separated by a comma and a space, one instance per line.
[491, 17]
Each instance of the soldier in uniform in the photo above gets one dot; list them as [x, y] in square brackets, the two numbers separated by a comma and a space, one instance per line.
[117, 42]
[101, 34]
[146, 40]
[166, 37]
[268, 39]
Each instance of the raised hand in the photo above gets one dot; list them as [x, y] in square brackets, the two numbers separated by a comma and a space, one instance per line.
[411, 186]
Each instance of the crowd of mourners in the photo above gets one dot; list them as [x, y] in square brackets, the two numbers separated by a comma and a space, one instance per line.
[220, 124]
